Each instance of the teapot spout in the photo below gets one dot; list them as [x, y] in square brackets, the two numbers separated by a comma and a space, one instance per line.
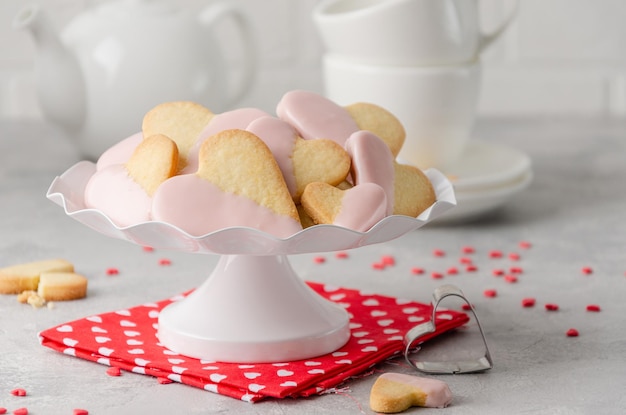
[59, 79]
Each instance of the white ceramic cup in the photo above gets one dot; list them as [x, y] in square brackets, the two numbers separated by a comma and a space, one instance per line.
[436, 104]
[404, 32]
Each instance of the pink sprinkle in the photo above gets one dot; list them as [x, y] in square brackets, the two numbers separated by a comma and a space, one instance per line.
[114, 371]
[490, 293]
[495, 254]
[81, 412]
[465, 260]
[514, 256]
[587, 270]
[466, 307]
[163, 380]
[593, 307]
[417, 270]
[165, 261]
[525, 244]
[319, 259]
[551, 307]
[341, 255]
[436, 275]
[3, 411]
[497, 272]
[18, 392]
[147, 248]
[516, 270]
[528, 302]
[510, 278]
[388, 260]
[439, 252]
[112, 271]
[20, 411]
[452, 271]
[572, 333]
[468, 250]
[471, 268]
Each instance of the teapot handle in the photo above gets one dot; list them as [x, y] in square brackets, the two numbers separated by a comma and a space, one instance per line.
[210, 16]
[487, 39]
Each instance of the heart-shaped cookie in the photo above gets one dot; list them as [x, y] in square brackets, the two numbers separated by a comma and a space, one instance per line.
[302, 161]
[238, 183]
[181, 121]
[375, 119]
[397, 392]
[358, 208]
[123, 191]
[413, 191]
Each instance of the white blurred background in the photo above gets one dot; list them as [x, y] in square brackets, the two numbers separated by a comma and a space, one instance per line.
[558, 58]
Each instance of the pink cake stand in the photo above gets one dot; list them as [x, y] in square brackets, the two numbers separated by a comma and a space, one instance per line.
[253, 308]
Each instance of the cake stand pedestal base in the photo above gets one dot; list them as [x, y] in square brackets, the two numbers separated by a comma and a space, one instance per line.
[253, 309]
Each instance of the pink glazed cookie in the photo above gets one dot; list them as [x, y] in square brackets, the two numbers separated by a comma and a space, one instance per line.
[124, 192]
[396, 392]
[238, 183]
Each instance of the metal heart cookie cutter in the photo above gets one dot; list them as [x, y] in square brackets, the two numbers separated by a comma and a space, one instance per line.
[445, 367]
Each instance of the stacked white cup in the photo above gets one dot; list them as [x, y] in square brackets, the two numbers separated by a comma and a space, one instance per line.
[419, 59]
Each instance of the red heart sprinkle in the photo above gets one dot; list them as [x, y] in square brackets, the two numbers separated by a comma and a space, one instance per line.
[490, 293]
[147, 249]
[81, 412]
[20, 411]
[114, 371]
[468, 249]
[165, 261]
[525, 244]
[528, 302]
[510, 278]
[572, 333]
[3, 411]
[417, 270]
[514, 256]
[452, 271]
[439, 252]
[551, 307]
[163, 380]
[319, 259]
[516, 270]
[465, 260]
[587, 270]
[18, 392]
[497, 272]
[341, 255]
[495, 254]
[466, 307]
[388, 260]
[593, 307]
[112, 271]
[471, 268]
[436, 275]
[378, 265]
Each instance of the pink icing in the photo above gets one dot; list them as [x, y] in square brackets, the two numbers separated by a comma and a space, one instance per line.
[315, 116]
[199, 207]
[362, 207]
[438, 394]
[112, 191]
[119, 153]
[235, 119]
[280, 137]
[372, 162]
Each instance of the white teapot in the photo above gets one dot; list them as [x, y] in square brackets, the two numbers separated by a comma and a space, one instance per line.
[114, 62]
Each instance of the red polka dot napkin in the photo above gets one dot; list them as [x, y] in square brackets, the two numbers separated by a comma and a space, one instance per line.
[126, 339]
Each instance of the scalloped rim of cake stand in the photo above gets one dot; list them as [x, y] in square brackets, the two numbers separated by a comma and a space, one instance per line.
[253, 308]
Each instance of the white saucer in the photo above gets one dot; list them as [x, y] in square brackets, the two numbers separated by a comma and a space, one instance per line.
[473, 204]
[485, 165]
